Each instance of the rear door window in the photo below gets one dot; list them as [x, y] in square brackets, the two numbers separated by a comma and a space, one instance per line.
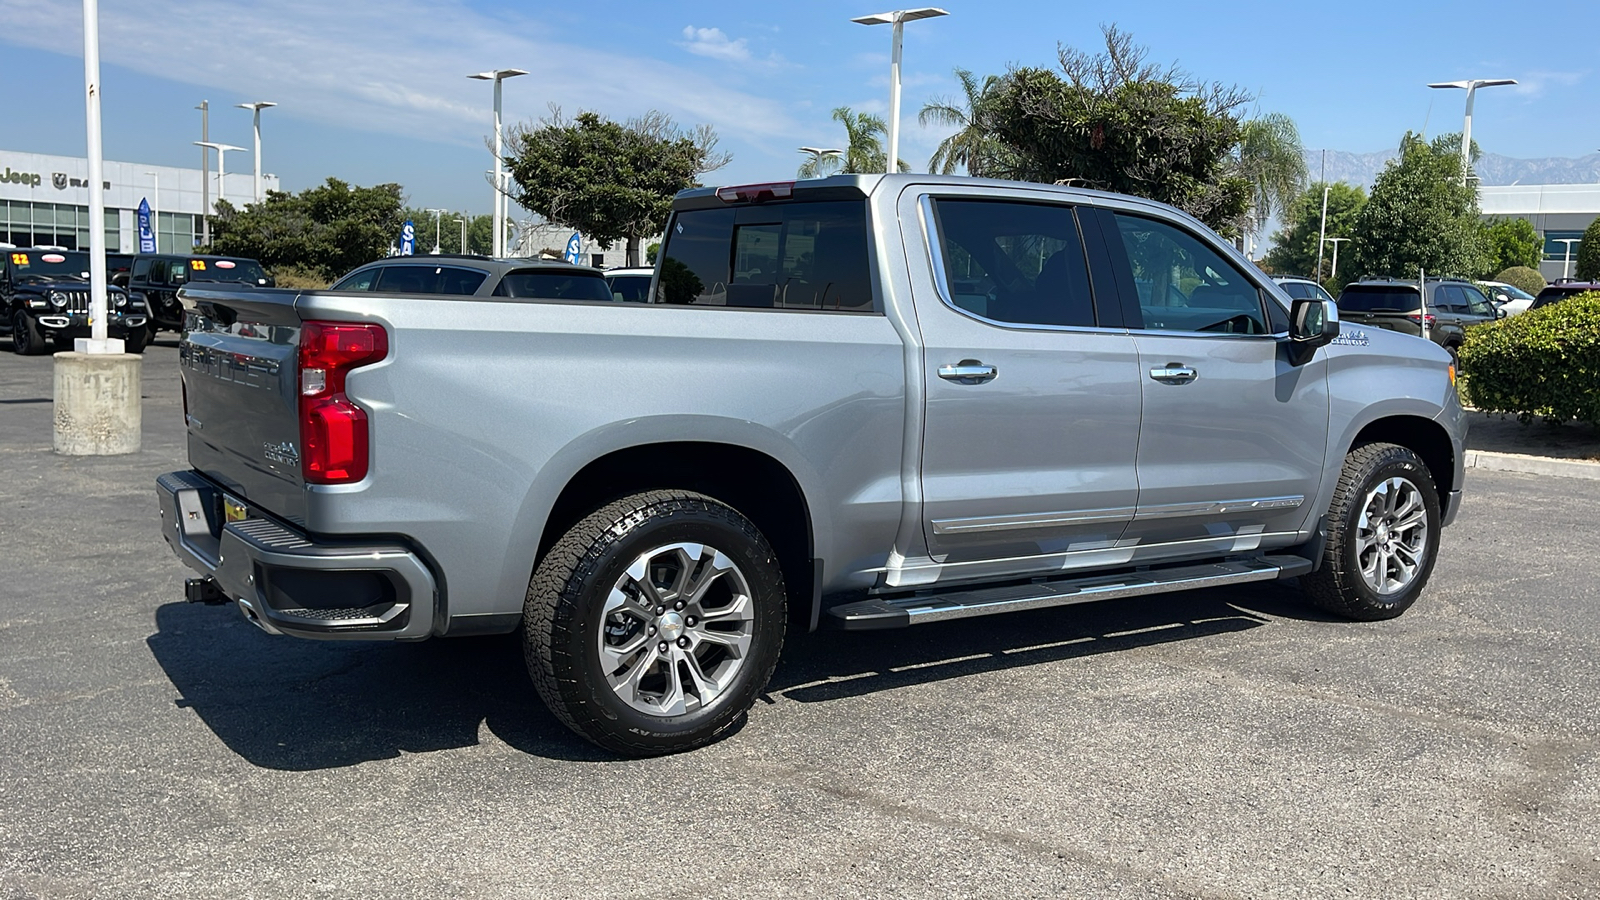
[1018, 263]
[802, 256]
[406, 280]
[460, 281]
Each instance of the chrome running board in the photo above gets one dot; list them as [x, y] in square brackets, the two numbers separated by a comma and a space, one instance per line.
[963, 603]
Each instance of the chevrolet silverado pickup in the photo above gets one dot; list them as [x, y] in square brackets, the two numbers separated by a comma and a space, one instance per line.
[863, 402]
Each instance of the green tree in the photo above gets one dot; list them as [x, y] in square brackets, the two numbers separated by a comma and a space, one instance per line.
[1506, 243]
[974, 146]
[1269, 155]
[1421, 214]
[1589, 254]
[1294, 247]
[612, 181]
[1525, 277]
[329, 229]
[1113, 121]
[865, 134]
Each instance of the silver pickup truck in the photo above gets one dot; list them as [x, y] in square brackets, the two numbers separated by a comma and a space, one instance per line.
[869, 402]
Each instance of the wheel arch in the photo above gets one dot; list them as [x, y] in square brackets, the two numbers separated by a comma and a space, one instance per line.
[756, 483]
[1422, 436]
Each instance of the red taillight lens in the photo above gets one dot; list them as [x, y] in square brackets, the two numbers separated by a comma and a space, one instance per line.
[1427, 319]
[333, 430]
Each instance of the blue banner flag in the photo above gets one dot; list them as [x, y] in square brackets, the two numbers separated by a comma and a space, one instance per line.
[147, 235]
[408, 239]
[574, 248]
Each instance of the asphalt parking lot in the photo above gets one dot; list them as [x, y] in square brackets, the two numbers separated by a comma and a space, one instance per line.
[1227, 743]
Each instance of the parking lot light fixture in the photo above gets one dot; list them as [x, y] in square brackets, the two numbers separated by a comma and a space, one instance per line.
[438, 216]
[222, 166]
[500, 206]
[1471, 86]
[1335, 242]
[818, 154]
[898, 18]
[1566, 263]
[257, 107]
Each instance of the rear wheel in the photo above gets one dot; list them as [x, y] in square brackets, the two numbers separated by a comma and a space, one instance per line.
[26, 339]
[654, 623]
[1383, 535]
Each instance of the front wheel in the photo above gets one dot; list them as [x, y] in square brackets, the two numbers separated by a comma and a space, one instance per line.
[1383, 535]
[137, 339]
[654, 623]
[26, 338]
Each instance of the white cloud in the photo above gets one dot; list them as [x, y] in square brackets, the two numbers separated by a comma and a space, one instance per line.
[388, 66]
[1534, 84]
[713, 43]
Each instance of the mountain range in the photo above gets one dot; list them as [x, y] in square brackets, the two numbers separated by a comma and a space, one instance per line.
[1492, 168]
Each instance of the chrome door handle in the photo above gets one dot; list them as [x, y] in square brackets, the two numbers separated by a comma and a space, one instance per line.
[968, 371]
[1174, 373]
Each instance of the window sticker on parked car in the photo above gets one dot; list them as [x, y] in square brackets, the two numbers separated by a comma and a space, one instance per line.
[199, 265]
[1354, 337]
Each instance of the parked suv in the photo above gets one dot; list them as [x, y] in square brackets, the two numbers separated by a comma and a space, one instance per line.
[156, 278]
[1454, 304]
[1561, 290]
[44, 299]
[478, 276]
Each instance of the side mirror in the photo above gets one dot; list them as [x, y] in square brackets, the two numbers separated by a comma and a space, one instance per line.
[1499, 313]
[1312, 324]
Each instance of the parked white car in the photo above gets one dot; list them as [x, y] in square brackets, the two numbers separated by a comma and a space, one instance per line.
[1508, 297]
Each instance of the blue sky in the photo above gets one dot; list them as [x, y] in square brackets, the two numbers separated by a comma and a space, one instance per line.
[375, 91]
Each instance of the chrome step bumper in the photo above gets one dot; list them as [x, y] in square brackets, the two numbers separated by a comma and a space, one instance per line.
[962, 603]
[289, 583]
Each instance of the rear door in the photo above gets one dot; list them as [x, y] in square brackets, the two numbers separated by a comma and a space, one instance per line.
[1233, 438]
[239, 363]
[1032, 392]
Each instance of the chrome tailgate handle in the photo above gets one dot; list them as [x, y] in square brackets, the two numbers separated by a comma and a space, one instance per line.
[1174, 373]
[968, 371]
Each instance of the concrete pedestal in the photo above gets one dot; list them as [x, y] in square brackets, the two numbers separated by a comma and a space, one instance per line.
[97, 408]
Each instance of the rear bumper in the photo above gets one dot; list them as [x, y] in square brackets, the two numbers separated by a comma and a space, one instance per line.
[289, 583]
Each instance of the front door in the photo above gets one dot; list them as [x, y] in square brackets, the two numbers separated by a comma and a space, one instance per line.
[1234, 437]
[1032, 394]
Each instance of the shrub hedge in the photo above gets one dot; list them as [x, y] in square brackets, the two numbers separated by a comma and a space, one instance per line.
[1522, 277]
[1545, 362]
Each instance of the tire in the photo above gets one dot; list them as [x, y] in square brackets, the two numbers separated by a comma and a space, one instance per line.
[26, 340]
[136, 340]
[653, 624]
[1365, 573]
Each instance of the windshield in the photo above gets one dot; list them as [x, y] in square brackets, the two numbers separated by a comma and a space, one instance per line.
[50, 265]
[1378, 298]
[1511, 291]
[240, 271]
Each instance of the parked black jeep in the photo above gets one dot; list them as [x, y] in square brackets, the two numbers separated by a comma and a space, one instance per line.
[44, 299]
[156, 277]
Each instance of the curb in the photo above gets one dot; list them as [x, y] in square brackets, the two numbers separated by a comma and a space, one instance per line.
[1532, 465]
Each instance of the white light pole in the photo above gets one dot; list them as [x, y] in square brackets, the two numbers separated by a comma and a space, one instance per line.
[205, 172]
[438, 216]
[818, 154]
[1335, 242]
[464, 234]
[222, 167]
[97, 342]
[256, 108]
[1471, 86]
[897, 18]
[497, 76]
[1566, 264]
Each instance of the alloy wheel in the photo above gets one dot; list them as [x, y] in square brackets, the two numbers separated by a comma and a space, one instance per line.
[1392, 535]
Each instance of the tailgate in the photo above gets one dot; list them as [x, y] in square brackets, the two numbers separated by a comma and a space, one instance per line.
[239, 361]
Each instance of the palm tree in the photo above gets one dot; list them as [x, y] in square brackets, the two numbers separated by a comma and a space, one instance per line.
[865, 132]
[1271, 158]
[973, 146]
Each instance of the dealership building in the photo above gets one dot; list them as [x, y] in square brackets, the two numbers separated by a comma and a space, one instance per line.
[1559, 212]
[44, 201]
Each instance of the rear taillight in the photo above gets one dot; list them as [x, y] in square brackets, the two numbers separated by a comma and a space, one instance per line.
[1423, 320]
[333, 430]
